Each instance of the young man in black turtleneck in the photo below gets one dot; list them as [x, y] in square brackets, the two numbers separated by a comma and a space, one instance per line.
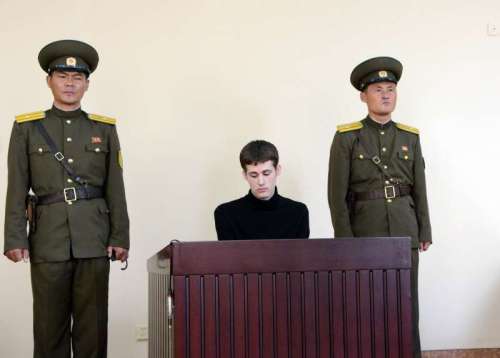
[262, 213]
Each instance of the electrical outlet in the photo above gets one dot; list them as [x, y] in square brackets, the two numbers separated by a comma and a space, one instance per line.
[141, 332]
[492, 29]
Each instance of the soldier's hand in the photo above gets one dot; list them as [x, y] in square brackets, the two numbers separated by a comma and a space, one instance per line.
[17, 255]
[120, 253]
[424, 246]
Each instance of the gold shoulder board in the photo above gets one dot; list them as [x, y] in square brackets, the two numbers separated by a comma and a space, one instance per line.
[342, 128]
[406, 128]
[102, 119]
[32, 116]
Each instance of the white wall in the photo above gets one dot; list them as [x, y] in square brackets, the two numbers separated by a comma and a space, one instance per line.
[192, 81]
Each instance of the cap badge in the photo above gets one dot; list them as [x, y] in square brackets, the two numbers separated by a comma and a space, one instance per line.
[71, 61]
[382, 74]
[96, 140]
[404, 148]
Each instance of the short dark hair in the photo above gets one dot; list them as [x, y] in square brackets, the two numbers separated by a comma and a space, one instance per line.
[258, 151]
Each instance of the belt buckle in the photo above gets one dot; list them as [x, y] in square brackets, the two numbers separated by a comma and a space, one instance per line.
[387, 192]
[72, 192]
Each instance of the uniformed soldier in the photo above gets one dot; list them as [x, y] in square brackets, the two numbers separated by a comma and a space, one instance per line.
[376, 184]
[71, 161]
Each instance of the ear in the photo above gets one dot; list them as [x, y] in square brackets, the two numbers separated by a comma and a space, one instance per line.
[87, 84]
[244, 174]
[278, 169]
[362, 96]
[47, 79]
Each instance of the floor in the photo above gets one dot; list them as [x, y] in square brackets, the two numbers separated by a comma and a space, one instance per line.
[465, 353]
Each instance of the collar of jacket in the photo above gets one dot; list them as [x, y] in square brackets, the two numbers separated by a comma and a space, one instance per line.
[373, 124]
[65, 114]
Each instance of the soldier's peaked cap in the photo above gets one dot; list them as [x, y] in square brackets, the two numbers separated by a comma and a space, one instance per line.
[68, 55]
[377, 69]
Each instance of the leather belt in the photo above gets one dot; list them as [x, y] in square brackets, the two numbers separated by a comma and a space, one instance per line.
[388, 192]
[72, 194]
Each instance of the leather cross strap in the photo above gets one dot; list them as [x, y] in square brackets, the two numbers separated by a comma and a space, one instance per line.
[388, 192]
[57, 154]
[72, 194]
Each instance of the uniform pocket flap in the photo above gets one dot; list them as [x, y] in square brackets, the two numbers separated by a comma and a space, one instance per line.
[39, 148]
[360, 155]
[97, 148]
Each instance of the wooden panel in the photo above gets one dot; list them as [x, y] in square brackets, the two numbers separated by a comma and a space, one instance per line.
[197, 258]
[351, 312]
[295, 314]
[392, 314]
[378, 314]
[195, 319]
[254, 316]
[365, 315]
[268, 329]
[181, 335]
[406, 315]
[310, 319]
[224, 306]
[239, 314]
[324, 310]
[338, 314]
[282, 315]
[210, 321]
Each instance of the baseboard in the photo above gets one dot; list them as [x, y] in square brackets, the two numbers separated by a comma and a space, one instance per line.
[464, 353]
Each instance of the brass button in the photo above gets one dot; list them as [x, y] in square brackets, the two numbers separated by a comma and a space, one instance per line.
[385, 166]
[68, 121]
[98, 150]
[70, 203]
[389, 200]
[382, 133]
[69, 180]
[361, 156]
[69, 139]
[70, 160]
[387, 182]
[40, 150]
[406, 157]
[384, 149]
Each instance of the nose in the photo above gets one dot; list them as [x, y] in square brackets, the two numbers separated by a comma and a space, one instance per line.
[260, 180]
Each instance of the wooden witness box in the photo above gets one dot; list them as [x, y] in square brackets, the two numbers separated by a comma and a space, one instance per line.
[281, 299]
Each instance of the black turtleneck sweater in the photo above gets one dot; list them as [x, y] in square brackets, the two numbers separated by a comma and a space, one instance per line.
[249, 218]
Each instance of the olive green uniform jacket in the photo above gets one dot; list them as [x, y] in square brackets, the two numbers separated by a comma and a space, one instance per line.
[86, 227]
[351, 169]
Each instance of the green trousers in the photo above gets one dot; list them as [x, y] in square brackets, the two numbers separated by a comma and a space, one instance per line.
[70, 308]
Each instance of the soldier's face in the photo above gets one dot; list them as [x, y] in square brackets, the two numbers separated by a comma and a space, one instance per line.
[67, 88]
[380, 98]
[262, 179]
